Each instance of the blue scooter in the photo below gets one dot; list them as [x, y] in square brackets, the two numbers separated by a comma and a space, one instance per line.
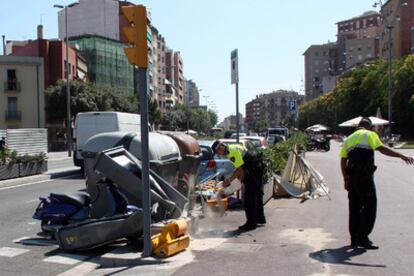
[58, 210]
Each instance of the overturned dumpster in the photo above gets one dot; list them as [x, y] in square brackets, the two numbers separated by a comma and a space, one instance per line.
[188, 169]
[164, 158]
[118, 167]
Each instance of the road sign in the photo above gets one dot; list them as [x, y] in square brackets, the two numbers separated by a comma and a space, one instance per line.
[234, 67]
[292, 106]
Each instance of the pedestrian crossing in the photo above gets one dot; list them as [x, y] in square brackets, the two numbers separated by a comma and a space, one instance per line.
[11, 252]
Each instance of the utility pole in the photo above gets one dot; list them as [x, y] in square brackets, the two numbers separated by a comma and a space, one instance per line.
[235, 80]
[68, 111]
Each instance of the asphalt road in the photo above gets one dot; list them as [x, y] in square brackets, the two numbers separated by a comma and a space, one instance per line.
[299, 239]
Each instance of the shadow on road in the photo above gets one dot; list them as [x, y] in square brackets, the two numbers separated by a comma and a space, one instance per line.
[341, 255]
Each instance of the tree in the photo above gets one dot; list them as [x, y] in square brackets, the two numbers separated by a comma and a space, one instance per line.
[86, 97]
[362, 91]
[154, 113]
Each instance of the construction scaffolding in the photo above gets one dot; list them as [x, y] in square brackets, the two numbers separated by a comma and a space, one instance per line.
[106, 60]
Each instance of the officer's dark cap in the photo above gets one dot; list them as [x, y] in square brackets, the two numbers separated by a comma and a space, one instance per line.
[365, 122]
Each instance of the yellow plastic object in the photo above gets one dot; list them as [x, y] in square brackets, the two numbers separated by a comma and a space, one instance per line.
[172, 239]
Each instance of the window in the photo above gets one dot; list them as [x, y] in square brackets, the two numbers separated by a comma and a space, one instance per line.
[12, 112]
[11, 79]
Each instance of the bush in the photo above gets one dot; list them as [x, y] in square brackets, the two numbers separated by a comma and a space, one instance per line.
[10, 157]
[278, 154]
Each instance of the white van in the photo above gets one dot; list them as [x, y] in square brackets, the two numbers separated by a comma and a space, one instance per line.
[88, 124]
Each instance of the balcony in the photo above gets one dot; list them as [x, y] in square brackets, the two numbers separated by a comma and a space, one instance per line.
[12, 86]
[13, 115]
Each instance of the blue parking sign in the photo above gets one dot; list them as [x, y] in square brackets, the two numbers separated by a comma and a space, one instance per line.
[292, 106]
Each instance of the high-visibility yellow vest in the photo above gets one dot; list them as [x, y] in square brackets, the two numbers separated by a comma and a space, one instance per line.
[361, 138]
[236, 155]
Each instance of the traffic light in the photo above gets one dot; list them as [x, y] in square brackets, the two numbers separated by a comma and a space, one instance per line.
[136, 35]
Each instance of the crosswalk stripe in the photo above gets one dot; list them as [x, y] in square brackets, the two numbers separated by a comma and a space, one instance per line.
[83, 268]
[64, 258]
[11, 252]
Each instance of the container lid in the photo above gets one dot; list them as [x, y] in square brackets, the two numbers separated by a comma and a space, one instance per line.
[186, 143]
[162, 148]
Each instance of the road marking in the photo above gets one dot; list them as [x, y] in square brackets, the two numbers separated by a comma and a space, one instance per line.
[12, 252]
[82, 269]
[66, 259]
[33, 200]
[38, 182]
[36, 241]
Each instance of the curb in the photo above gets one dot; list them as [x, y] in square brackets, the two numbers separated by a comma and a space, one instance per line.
[38, 178]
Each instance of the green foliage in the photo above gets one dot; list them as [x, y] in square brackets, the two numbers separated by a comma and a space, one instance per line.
[9, 157]
[278, 154]
[87, 97]
[181, 117]
[361, 92]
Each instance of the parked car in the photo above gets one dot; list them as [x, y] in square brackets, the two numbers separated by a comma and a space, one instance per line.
[259, 142]
[212, 164]
[241, 134]
[248, 145]
[273, 139]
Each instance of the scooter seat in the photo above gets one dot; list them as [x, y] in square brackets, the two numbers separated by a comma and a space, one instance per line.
[79, 199]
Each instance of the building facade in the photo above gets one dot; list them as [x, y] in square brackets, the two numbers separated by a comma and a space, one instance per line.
[398, 15]
[320, 61]
[104, 19]
[91, 17]
[191, 93]
[53, 53]
[357, 40]
[106, 61]
[230, 122]
[22, 100]
[272, 109]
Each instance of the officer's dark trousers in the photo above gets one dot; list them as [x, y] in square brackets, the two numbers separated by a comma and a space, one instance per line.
[253, 200]
[362, 205]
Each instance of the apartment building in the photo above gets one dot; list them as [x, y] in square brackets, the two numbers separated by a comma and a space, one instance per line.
[320, 61]
[357, 40]
[53, 53]
[397, 16]
[103, 19]
[272, 108]
[106, 61]
[22, 103]
[191, 93]
[174, 78]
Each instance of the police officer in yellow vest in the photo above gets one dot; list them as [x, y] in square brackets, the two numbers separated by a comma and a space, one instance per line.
[253, 189]
[358, 167]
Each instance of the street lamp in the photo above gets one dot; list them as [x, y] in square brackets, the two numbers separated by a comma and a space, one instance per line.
[68, 115]
[389, 27]
[206, 99]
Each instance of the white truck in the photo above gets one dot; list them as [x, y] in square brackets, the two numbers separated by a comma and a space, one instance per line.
[87, 124]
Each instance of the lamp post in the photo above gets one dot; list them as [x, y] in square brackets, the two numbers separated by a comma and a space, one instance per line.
[206, 99]
[389, 27]
[68, 115]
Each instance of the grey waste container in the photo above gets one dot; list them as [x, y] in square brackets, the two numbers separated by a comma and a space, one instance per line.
[164, 155]
[191, 158]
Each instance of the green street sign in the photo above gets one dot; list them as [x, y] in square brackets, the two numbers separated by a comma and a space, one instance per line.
[234, 54]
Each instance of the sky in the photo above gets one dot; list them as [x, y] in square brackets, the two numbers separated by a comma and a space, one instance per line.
[270, 35]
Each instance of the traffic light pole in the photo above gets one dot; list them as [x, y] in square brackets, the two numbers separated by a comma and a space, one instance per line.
[143, 100]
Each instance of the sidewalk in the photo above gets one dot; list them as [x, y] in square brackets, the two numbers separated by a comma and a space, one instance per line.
[50, 174]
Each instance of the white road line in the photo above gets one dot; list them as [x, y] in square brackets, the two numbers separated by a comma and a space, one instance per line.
[34, 183]
[33, 200]
[82, 269]
[64, 258]
[12, 252]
